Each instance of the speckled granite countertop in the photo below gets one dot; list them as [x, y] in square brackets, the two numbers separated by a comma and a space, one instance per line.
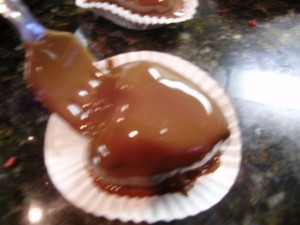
[258, 66]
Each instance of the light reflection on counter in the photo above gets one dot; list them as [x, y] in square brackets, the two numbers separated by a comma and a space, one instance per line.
[35, 214]
[266, 87]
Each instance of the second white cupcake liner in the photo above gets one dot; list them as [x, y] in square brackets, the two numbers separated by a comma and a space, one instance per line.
[127, 19]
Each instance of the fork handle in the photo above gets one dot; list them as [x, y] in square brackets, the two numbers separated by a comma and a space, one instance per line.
[19, 16]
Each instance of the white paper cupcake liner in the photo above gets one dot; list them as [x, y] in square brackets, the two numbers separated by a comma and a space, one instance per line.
[127, 19]
[66, 160]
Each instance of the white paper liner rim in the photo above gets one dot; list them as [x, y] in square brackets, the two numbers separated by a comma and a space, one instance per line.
[126, 18]
[66, 162]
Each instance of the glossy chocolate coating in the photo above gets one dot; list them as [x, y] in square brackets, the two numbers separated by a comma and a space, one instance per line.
[159, 123]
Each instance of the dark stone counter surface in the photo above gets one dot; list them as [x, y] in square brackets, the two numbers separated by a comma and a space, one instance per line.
[258, 66]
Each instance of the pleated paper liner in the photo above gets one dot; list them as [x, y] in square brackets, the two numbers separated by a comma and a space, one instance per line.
[66, 160]
[127, 19]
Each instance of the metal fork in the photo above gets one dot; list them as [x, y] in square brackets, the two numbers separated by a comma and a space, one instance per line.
[78, 91]
[17, 13]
